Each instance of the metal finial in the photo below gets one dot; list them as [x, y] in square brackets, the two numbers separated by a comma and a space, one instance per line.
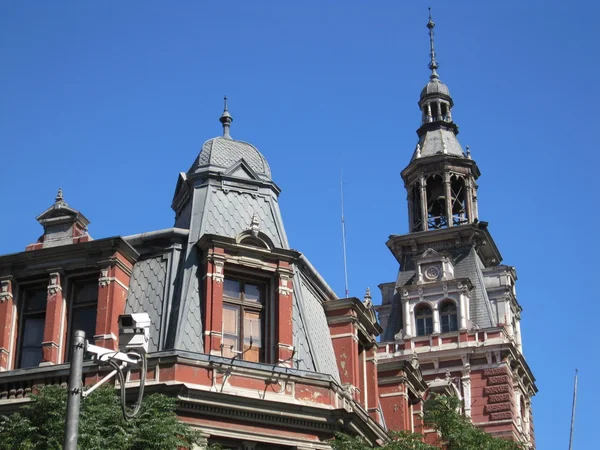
[59, 196]
[226, 119]
[433, 65]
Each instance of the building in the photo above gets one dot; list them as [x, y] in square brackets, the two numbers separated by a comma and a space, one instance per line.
[259, 350]
[453, 309]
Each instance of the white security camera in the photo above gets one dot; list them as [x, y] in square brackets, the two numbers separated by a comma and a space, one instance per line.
[134, 332]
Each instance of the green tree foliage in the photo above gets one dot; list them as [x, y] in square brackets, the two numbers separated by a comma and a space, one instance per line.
[456, 432]
[40, 424]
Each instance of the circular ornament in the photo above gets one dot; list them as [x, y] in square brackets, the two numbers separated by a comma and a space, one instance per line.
[432, 273]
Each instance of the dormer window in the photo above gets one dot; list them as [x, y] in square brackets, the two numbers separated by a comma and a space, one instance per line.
[424, 320]
[448, 317]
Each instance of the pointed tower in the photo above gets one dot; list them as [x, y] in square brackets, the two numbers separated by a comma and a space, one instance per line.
[453, 306]
[440, 178]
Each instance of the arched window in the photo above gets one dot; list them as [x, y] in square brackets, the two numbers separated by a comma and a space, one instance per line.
[448, 317]
[424, 320]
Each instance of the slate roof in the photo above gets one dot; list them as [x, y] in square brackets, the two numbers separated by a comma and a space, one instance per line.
[436, 142]
[224, 152]
[146, 294]
[228, 214]
[435, 86]
[315, 329]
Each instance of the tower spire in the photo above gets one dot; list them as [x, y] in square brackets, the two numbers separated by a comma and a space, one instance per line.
[226, 119]
[433, 65]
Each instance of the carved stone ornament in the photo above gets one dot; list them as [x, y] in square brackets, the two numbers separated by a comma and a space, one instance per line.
[414, 361]
[432, 273]
[255, 225]
[104, 280]
[5, 290]
[54, 284]
[283, 286]
[405, 293]
[218, 274]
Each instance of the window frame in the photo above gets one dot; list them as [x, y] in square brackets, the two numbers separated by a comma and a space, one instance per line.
[243, 305]
[444, 314]
[425, 318]
[23, 315]
[72, 283]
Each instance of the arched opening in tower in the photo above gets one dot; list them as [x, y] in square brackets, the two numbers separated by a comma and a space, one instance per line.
[459, 200]
[436, 203]
[415, 207]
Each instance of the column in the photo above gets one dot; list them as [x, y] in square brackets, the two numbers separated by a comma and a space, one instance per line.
[54, 320]
[372, 384]
[469, 196]
[518, 337]
[284, 338]
[466, 388]
[410, 199]
[429, 117]
[6, 321]
[423, 185]
[213, 287]
[463, 313]
[448, 194]
[436, 320]
[439, 111]
[407, 319]
[448, 114]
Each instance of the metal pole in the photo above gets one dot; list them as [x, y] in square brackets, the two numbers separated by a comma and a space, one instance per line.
[573, 412]
[75, 390]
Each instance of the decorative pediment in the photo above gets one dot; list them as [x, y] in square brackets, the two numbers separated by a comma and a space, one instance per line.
[433, 266]
[242, 169]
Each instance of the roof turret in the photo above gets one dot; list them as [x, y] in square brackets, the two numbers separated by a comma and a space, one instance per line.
[224, 154]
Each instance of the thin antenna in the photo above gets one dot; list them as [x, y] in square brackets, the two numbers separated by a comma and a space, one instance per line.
[344, 232]
[573, 412]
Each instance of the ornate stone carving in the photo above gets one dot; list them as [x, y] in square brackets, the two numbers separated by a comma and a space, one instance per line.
[432, 273]
[54, 284]
[254, 225]
[5, 290]
[414, 361]
[104, 279]
[218, 274]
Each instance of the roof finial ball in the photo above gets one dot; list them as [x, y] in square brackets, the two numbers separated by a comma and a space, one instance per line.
[226, 120]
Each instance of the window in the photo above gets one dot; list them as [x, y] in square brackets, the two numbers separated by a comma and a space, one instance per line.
[84, 307]
[424, 320]
[31, 333]
[243, 309]
[448, 317]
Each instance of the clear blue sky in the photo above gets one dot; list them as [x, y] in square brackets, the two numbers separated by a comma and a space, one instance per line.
[110, 100]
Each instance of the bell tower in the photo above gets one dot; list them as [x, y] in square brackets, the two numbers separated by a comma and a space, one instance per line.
[453, 309]
[441, 177]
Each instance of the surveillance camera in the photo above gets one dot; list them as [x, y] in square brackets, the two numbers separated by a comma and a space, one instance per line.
[134, 332]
